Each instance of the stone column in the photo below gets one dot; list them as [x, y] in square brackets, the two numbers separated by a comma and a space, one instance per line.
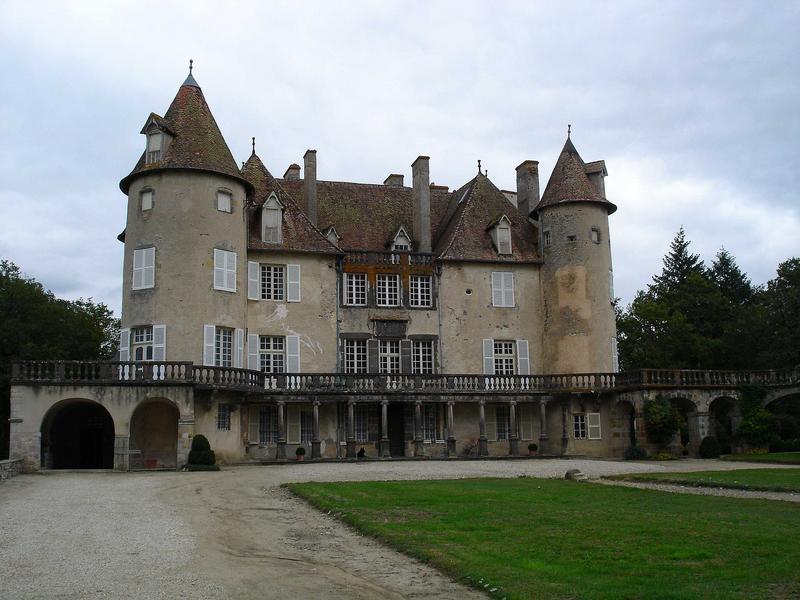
[451, 436]
[315, 441]
[483, 443]
[121, 461]
[564, 430]
[543, 437]
[185, 435]
[280, 453]
[351, 428]
[385, 428]
[513, 437]
[418, 428]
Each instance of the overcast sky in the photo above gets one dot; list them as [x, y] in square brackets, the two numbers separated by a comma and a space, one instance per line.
[695, 107]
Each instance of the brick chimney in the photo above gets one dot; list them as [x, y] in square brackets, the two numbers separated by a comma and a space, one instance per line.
[421, 182]
[527, 186]
[310, 184]
[394, 179]
[293, 172]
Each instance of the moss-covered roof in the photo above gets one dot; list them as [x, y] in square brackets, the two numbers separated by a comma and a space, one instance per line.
[197, 142]
[298, 233]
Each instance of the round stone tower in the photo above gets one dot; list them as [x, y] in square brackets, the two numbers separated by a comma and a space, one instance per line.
[579, 334]
[185, 239]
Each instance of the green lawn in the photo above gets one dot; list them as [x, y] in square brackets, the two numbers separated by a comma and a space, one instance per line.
[771, 480]
[789, 458]
[545, 538]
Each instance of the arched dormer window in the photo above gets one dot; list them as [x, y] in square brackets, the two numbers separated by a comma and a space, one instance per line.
[272, 220]
[501, 235]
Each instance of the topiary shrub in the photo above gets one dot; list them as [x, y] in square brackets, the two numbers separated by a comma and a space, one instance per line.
[300, 451]
[201, 453]
[660, 421]
[532, 447]
[709, 447]
[635, 453]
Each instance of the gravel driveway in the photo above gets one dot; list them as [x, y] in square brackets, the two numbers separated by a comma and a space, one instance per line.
[229, 534]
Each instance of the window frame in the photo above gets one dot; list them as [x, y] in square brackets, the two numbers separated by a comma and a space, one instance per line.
[272, 204]
[386, 291]
[267, 285]
[145, 344]
[146, 192]
[267, 424]
[503, 292]
[151, 155]
[351, 293]
[501, 360]
[503, 230]
[417, 294]
[267, 348]
[223, 347]
[387, 356]
[580, 429]
[423, 350]
[355, 356]
[592, 232]
[223, 416]
[229, 195]
[502, 422]
[143, 256]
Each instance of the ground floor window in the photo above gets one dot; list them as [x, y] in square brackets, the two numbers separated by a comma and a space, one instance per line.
[503, 421]
[223, 417]
[586, 426]
[268, 425]
[367, 421]
[306, 425]
[432, 422]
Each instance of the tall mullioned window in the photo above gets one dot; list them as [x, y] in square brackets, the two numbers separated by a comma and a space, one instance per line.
[223, 347]
[272, 354]
[419, 291]
[355, 289]
[422, 357]
[504, 358]
[268, 425]
[355, 356]
[388, 290]
[502, 421]
[389, 356]
[142, 343]
[223, 417]
[273, 278]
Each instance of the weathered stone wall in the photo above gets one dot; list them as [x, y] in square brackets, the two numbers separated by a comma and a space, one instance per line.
[468, 317]
[579, 323]
[185, 226]
[9, 468]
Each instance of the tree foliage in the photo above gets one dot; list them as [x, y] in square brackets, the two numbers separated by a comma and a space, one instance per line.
[691, 316]
[660, 421]
[35, 325]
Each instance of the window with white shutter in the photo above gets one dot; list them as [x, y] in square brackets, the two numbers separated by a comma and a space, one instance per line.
[593, 425]
[523, 358]
[159, 343]
[154, 145]
[355, 289]
[271, 220]
[144, 268]
[124, 345]
[292, 354]
[253, 283]
[209, 356]
[224, 270]
[146, 199]
[238, 357]
[293, 292]
[502, 289]
[252, 352]
[488, 357]
[224, 201]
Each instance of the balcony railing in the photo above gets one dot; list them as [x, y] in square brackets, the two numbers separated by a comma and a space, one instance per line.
[170, 372]
[388, 258]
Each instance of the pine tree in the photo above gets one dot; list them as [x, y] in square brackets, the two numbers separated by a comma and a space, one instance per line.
[679, 263]
[732, 282]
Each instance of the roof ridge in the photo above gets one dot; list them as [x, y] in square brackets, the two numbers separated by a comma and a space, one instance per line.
[467, 198]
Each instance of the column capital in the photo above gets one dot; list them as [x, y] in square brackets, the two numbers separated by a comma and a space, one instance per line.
[482, 402]
[384, 402]
[451, 402]
[512, 402]
[418, 402]
[281, 402]
[316, 402]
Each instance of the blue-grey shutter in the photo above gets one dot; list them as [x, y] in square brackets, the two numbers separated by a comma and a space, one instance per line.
[124, 345]
[208, 345]
[253, 280]
[159, 343]
[252, 352]
[293, 288]
[488, 357]
[523, 358]
[292, 354]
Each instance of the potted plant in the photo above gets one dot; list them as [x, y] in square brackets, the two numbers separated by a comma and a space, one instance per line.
[300, 453]
[532, 448]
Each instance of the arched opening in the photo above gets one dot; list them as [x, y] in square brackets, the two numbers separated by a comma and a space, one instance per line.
[687, 436]
[154, 435]
[724, 418]
[787, 423]
[626, 418]
[78, 434]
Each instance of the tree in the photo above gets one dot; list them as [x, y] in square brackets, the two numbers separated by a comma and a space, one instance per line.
[729, 278]
[660, 421]
[781, 301]
[678, 264]
[35, 325]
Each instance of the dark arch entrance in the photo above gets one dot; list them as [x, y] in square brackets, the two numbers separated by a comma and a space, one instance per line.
[154, 435]
[724, 418]
[78, 434]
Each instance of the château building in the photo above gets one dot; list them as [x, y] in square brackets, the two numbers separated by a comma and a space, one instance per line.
[271, 313]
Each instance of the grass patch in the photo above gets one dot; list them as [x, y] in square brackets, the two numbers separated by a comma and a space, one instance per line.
[784, 458]
[552, 539]
[768, 480]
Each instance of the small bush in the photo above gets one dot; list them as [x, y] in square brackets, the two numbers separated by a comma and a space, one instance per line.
[201, 452]
[709, 448]
[635, 453]
[660, 421]
[758, 429]
[532, 447]
[300, 451]
[664, 456]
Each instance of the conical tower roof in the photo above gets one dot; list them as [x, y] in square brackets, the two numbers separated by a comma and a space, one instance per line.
[197, 142]
[569, 183]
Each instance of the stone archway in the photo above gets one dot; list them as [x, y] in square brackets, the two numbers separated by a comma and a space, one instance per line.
[786, 410]
[625, 425]
[687, 440]
[723, 421]
[77, 434]
[154, 435]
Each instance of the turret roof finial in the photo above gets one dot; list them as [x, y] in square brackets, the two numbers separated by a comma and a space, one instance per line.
[479, 165]
[569, 129]
[254, 145]
[190, 66]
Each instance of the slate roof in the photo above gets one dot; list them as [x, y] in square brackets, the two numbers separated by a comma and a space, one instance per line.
[474, 208]
[298, 233]
[569, 183]
[197, 142]
[366, 215]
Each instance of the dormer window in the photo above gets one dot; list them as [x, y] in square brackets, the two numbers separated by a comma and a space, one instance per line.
[154, 144]
[501, 235]
[272, 220]
[332, 236]
[401, 242]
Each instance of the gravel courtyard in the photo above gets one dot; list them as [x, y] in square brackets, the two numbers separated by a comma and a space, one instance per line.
[228, 534]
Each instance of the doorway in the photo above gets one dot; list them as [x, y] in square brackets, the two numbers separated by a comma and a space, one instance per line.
[397, 429]
[78, 435]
